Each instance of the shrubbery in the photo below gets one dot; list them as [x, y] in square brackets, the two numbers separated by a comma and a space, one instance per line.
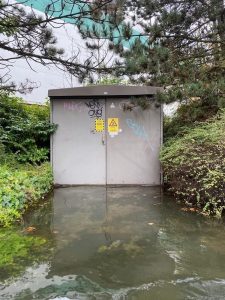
[188, 116]
[25, 176]
[22, 188]
[194, 165]
[25, 129]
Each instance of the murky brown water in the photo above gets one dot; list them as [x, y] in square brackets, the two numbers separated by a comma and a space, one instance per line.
[115, 243]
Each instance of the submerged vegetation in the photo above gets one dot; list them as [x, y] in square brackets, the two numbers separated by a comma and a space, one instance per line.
[194, 162]
[18, 250]
[25, 174]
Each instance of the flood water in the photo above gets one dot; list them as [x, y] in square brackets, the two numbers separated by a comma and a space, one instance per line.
[115, 243]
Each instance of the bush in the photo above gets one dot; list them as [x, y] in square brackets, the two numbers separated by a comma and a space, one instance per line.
[194, 166]
[187, 116]
[21, 188]
[25, 129]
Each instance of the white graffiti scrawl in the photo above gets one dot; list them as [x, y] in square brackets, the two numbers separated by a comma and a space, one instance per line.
[73, 106]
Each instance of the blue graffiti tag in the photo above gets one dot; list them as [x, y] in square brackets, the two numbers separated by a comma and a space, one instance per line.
[138, 129]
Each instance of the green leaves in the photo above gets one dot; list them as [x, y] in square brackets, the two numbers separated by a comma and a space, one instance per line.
[25, 129]
[179, 45]
[22, 187]
[24, 138]
[194, 165]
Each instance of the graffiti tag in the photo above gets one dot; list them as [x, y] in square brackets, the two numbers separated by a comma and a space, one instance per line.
[138, 129]
[74, 106]
[95, 108]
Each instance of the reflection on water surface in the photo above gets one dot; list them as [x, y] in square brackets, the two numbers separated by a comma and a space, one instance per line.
[114, 243]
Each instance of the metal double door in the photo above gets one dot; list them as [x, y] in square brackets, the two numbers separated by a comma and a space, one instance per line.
[125, 154]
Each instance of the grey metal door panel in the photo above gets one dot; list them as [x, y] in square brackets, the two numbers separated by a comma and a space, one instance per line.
[78, 152]
[133, 154]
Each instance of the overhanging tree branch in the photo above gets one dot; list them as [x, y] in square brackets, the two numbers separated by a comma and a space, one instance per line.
[27, 34]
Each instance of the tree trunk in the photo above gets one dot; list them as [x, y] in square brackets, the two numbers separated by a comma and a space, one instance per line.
[221, 24]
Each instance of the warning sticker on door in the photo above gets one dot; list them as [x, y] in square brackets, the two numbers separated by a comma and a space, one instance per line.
[113, 125]
[99, 125]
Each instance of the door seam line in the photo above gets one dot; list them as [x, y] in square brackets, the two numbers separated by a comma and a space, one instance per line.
[106, 147]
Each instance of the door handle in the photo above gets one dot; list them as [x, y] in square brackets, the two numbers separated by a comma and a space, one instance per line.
[103, 139]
